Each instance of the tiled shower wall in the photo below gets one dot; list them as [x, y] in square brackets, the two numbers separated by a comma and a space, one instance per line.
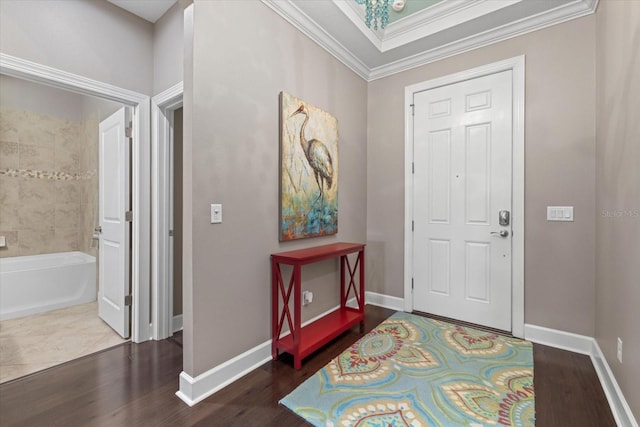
[48, 183]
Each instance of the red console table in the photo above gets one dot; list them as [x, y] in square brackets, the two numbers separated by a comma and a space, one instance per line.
[303, 341]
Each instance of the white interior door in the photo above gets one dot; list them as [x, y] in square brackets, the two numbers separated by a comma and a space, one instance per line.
[462, 181]
[114, 202]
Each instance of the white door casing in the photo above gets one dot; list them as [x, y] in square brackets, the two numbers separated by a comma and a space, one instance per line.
[516, 66]
[113, 205]
[462, 180]
[163, 106]
[32, 71]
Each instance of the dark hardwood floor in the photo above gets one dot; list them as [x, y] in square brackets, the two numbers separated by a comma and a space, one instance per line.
[135, 385]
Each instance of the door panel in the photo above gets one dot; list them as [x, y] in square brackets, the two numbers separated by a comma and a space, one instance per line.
[114, 250]
[439, 267]
[439, 172]
[462, 179]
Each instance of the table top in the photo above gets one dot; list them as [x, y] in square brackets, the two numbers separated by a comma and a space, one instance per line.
[317, 253]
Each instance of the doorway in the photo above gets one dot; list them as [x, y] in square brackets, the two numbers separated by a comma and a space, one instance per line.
[462, 165]
[49, 146]
[140, 200]
[166, 185]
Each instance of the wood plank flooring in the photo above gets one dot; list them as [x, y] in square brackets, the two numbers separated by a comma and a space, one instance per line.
[135, 385]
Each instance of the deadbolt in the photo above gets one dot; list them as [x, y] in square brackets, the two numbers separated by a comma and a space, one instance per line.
[503, 218]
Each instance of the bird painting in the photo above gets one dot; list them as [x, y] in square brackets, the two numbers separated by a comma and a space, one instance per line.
[317, 155]
[308, 170]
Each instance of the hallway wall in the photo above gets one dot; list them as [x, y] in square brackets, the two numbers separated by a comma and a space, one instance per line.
[94, 39]
[559, 170]
[233, 158]
[618, 192]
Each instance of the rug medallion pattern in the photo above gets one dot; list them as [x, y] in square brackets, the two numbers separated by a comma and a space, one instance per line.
[418, 372]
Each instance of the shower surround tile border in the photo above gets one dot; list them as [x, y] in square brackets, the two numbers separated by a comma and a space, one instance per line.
[49, 175]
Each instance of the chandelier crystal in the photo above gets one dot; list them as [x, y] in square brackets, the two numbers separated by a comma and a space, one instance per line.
[377, 13]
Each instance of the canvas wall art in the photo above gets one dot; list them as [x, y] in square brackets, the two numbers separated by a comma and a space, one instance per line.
[308, 170]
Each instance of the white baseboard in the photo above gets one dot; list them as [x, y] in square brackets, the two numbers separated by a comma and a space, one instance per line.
[587, 345]
[619, 406]
[193, 390]
[386, 301]
[559, 339]
[176, 323]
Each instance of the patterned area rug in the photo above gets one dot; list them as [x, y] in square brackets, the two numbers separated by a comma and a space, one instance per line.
[414, 371]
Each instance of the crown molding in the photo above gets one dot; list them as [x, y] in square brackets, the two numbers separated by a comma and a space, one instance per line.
[357, 16]
[558, 15]
[306, 25]
[291, 13]
[439, 17]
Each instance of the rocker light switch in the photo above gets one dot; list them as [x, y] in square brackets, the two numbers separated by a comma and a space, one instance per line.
[559, 213]
[216, 213]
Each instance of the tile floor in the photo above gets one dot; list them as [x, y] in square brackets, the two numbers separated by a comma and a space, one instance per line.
[32, 343]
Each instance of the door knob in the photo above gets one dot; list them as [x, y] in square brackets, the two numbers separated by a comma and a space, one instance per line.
[98, 229]
[501, 233]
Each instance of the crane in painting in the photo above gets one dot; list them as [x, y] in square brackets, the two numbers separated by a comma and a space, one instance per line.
[317, 155]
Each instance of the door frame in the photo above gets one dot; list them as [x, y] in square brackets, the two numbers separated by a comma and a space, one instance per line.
[162, 107]
[140, 250]
[517, 66]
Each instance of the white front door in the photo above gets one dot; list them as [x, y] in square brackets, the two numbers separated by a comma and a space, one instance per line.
[114, 202]
[462, 182]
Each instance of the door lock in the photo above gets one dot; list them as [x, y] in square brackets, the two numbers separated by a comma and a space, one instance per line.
[504, 218]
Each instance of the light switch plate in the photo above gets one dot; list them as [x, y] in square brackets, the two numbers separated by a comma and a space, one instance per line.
[216, 213]
[559, 213]
[3, 242]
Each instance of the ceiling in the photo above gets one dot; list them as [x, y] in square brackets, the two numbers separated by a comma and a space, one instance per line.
[149, 10]
[426, 31]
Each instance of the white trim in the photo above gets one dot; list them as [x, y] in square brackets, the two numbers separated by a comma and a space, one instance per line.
[176, 323]
[194, 390]
[291, 13]
[308, 27]
[162, 109]
[439, 17]
[558, 15]
[619, 406]
[558, 339]
[386, 301]
[27, 70]
[589, 346]
[517, 66]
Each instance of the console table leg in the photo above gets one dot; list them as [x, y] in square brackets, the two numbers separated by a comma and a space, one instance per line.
[274, 309]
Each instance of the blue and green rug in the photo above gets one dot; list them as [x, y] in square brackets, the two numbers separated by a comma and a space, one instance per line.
[419, 372]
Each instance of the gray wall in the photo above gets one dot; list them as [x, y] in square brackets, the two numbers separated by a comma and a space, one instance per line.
[559, 170]
[233, 159]
[39, 98]
[618, 191]
[168, 49]
[94, 39]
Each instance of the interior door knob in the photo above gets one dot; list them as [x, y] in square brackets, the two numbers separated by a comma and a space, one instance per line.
[501, 233]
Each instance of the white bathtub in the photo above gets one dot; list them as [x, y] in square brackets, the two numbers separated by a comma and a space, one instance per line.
[39, 283]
